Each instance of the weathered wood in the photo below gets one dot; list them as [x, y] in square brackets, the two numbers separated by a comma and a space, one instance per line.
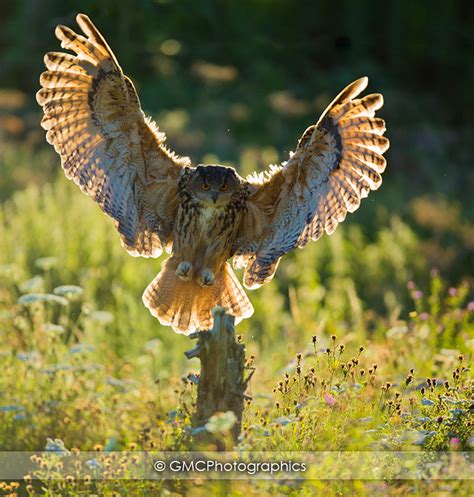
[222, 381]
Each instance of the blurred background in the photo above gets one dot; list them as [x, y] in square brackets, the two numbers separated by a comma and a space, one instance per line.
[238, 82]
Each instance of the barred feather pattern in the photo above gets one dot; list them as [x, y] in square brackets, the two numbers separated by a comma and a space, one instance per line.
[186, 307]
[338, 161]
[93, 118]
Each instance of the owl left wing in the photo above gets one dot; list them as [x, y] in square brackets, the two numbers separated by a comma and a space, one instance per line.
[108, 147]
[336, 163]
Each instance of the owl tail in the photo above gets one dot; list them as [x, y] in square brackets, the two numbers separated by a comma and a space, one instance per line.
[186, 306]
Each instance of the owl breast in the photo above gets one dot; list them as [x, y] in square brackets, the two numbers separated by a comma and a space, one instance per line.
[208, 220]
[205, 235]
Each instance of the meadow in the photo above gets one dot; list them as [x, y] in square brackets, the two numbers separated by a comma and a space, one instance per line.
[362, 342]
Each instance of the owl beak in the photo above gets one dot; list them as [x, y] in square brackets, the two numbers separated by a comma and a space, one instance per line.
[214, 196]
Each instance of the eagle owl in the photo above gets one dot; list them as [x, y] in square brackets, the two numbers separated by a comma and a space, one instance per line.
[202, 215]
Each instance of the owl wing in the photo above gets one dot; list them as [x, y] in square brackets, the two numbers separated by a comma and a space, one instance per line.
[108, 147]
[336, 163]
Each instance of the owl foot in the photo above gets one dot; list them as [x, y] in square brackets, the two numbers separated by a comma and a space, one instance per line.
[206, 277]
[184, 271]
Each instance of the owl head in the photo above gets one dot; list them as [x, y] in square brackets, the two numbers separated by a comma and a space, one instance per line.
[213, 185]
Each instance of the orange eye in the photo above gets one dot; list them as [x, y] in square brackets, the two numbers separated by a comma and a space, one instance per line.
[224, 187]
[205, 187]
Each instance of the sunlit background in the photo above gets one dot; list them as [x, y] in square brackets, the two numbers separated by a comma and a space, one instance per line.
[237, 82]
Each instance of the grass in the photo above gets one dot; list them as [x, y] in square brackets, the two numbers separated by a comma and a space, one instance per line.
[359, 343]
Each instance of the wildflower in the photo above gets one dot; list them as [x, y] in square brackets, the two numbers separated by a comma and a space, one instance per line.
[417, 295]
[455, 443]
[56, 445]
[69, 479]
[424, 316]
[329, 399]
[93, 464]
[452, 292]
[71, 292]
[221, 422]
[470, 306]
[411, 285]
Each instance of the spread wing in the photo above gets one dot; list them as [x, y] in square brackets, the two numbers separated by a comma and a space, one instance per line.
[336, 164]
[107, 146]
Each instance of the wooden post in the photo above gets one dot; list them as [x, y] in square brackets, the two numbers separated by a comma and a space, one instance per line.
[221, 385]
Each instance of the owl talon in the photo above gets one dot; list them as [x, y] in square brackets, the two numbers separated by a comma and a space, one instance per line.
[206, 277]
[184, 271]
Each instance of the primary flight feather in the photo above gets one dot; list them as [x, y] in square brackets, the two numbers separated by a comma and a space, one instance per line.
[204, 215]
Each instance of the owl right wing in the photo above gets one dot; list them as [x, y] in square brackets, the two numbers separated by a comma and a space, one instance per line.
[337, 162]
[108, 147]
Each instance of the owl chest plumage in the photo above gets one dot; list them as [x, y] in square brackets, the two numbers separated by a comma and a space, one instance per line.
[201, 228]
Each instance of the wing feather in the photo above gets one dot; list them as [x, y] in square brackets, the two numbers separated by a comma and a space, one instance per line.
[338, 161]
[108, 147]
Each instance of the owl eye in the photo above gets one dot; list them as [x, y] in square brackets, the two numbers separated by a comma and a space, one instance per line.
[224, 187]
[205, 187]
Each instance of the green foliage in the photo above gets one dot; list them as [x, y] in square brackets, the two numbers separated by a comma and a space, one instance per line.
[82, 360]
[72, 321]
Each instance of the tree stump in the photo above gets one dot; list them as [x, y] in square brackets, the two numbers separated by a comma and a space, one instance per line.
[222, 382]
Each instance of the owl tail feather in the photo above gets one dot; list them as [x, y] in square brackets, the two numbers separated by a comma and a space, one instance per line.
[186, 306]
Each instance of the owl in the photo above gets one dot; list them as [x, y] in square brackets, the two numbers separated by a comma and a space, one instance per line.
[203, 215]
